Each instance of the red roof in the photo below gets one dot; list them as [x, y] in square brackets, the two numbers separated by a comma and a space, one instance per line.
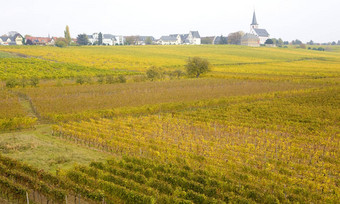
[39, 39]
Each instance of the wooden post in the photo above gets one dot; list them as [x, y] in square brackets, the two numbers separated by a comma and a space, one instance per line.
[27, 198]
[66, 199]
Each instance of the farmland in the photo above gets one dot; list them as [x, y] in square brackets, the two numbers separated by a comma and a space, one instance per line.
[261, 127]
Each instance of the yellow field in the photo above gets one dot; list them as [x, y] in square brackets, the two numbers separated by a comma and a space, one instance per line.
[261, 127]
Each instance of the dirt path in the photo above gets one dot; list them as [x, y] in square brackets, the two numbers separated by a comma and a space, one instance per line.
[27, 104]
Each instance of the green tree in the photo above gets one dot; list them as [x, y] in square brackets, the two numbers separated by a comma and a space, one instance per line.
[196, 66]
[269, 42]
[61, 42]
[154, 73]
[67, 35]
[100, 38]
[82, 39]
[224, 40]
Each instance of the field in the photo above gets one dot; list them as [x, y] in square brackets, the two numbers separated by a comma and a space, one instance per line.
[263, 126]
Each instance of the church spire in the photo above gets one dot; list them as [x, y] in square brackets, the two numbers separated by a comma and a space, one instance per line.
[254, 23]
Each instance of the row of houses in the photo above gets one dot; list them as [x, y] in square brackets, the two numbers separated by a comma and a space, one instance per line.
[255, 38]
[192, 38]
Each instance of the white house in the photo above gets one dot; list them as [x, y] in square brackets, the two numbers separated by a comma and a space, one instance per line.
[108, 39]
[261, 33]
[168, 40]
[193, 38]
[13, 38]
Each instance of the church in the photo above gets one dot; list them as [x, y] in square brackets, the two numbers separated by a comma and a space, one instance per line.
[255, 30]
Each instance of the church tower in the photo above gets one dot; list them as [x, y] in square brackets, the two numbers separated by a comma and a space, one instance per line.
[254, 23]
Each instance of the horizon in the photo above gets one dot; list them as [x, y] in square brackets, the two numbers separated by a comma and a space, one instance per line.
[151, 19]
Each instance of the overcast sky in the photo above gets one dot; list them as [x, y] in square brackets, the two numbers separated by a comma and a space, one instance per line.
[317, 20]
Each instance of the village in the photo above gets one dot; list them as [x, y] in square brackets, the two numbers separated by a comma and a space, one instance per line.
[256, 37]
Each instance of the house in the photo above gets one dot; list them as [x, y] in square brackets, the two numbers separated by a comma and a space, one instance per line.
[39, 40]
[193, 38]
[250, 40]
[108, 39]
[93, 39]
[255, 30]
[144, 40]
[219, 40]
[168, 40]
[13, 38]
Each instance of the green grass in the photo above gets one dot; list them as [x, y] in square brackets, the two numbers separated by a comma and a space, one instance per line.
[40, 149]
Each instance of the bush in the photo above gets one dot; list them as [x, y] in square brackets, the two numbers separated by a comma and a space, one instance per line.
[61, 43]
[176, 74]
[83, 80]
[11, 83]
[110, 79]
[34, 81]
[154, 73]
[121, 79]
[196, 66]
[269, 42]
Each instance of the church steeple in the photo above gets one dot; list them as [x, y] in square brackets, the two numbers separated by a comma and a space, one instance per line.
[254, 22]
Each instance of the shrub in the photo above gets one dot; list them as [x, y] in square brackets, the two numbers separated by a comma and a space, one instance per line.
[83, 79]
[122, 79]
[154, 73]
[34, 81]
[196, 66]
[61, 43]
[11, 83]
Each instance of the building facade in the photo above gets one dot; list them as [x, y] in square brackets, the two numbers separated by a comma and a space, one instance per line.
[255, 30]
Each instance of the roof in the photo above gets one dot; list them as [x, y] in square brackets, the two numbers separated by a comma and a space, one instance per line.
[254, 22]
[39, 39]
[195, 34]
[4, 38]
[261, 32]
[144, 38]
[250, 36]
[219, 40]
[108, 36]
[168, 38]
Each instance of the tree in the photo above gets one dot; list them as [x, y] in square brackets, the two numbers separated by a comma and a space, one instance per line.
[311, 42]
[333, 43]
[196, 66]
[269, 41]
[338, 42]
[61, 42]
[100, 38]
[148, 41]
[154, 73]
[296, 42]
[131, 40]
[235, 38]
[82, 39]
[224, 40]
[67, 35]
[279, 42]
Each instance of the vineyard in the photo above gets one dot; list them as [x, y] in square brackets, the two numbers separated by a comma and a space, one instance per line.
[261, 127]
[28, 67]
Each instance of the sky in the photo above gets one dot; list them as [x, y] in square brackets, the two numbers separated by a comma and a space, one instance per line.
[287, 19]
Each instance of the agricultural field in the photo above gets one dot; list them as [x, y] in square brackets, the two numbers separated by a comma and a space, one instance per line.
[263, 126]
